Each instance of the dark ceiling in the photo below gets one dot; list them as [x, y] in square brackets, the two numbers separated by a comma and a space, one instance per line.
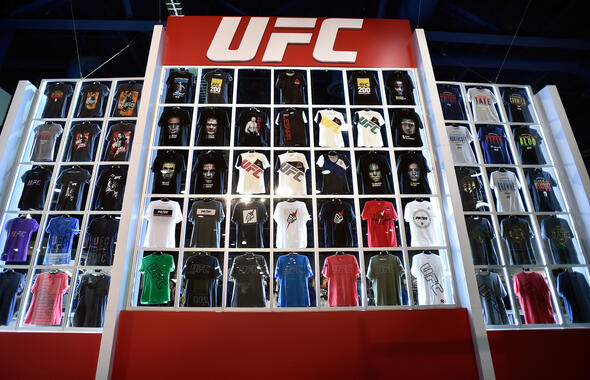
[468, 40]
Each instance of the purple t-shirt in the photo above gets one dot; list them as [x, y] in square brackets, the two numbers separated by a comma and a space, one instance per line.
[19, 232]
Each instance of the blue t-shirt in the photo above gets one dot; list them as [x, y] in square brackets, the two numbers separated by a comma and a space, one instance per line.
[574, 289]
[451, 102]
[61, 232]
[293, 270]
[493, 143]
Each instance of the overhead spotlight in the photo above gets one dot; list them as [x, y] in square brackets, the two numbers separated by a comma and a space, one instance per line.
[174, 8]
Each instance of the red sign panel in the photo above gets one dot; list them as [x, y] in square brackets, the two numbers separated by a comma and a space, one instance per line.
[288, 41]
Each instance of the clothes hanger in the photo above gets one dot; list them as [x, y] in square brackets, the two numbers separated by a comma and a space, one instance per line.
[340, 253]
[383, 253]
[291, 200]
[158, 253]
[165, 199]
[207, 199]
[502, 170]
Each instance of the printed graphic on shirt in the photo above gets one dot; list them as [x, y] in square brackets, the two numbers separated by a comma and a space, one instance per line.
[255, 168]
[372, 125]
[253, 126]
[409, 127]
[112, 188]
[433, 282]
[211, 128]
[338, 218]
[332, 125]
[81, 140]
[287, 127]
[162, 212]
[482, 100]
[120, 143]
[421, 218]
[180, 86]
[375, 175]
[363, 85]
[296, 172]
[542, 185]
[208, 175]
[517, 100]
[91, 100]
[71, 191]
[448, 97]
[126, 102]
[173, 127]
[158, 277]
[292, 218]
[560, 236]
[527, 140]
[249, 216]
[43, 138]
[167, 171]
[215, 87]
[201, 212]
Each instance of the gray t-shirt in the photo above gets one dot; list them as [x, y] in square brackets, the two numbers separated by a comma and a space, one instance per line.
[206, 217]
[491, 292]
[44, 143]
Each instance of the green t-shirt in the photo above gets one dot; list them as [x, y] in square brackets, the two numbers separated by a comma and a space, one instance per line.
[385, 272]
[156, 270]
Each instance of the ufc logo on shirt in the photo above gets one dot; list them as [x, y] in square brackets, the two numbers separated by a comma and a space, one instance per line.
[250, 167]
[370, 125]
[290, 170]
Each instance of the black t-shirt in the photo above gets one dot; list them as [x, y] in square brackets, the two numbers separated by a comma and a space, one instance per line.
[528, 143]
[516, 231]
[470, 188]
[291, 86]
[119, 142]
[58, 95]
[217, 86]
[209, 171]
[541, 186]
[175, 126]
[558, 233]
[364, 88]
[35, 184]
[374, 171]
[127, 99]
[400, 88]
[412, 169]
[334, 171]
[179, 86]
[407, 127]
[92, 100]
[102, 235]
[249, 219]
[201, 273]
[252, 128]
[12, 283]
[212, 125]
[111, 187]
[451, 102]
[91, 300]
[249, 272]
[168, 168]
[516, 104]
[71, 182]
[293, 127]
[481, 235]
[337, 217]
[83, 137]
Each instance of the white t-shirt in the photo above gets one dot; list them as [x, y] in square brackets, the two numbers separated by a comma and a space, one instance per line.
[162, 218]
[291, 219]
[368, 127]
[460, 139]
[424, 224]
[483, 105]
[506, 186]
[430, 272]
[331, 124]
[292, 167]
[251, 166]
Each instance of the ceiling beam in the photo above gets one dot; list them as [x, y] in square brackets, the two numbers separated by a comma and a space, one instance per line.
[66, 24]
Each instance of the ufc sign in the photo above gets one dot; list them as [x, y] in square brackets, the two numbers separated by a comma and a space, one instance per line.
[219, 50]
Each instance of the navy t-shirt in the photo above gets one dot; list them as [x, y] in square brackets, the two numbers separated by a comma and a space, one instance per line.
[201, 273]
[58, 95]
[102, 235]
[494, 144]
[337, 217]
[92, 100]
[517, 233]
[559, 235]
[451, 102]
[179, 86]
[541, 186]
[91, 300]
[35, 184]
[481, 236]
[249, 219]
[11, 284]
[574, 289]
[83, 138]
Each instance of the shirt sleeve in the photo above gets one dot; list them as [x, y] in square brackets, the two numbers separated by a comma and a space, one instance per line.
[64, 283]
[220, 212]
[319, 162]
[264, 267]
[516, 285]
[407, 212]
[275, 214]
[304, 160]
[560, 285]
[190, 216]
[234, 215]
[177, 212]
[278, 272]
[370, 269]
[414, 270]
[278, 118]
[493, 180]
[149, 211]
[344, 126]
[308, 266]
[365, 212]
[171, 263]
[356, 267]
[239, 161]
[469, 94]
[468, 135]
[394, 212]
[516, 181]
[304, 213]
[265, 163]
[327, 270]
[380, 119]
[501, 288]
[304, 117]
[264, 213]
[318, 117]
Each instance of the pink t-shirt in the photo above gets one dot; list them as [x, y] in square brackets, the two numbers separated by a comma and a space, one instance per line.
[341, 272]
[533, 293]
[380, 217]
[48, 292]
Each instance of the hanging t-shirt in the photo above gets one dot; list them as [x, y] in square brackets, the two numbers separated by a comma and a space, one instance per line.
[92, 100]
[337, 217]
[209, 171]
[333, 170]
[206, 217]
[18, 236]
[61, 232]
[201, 273]
[251, 167]
[71, 182]
[46, 305]
[35, 184]
[83, 138]
[374, 170]
[175, 124]
[516, 104]
[291, 86]
[560, 237]
[430, 273]
[291, 167]
[573, 288]
[385, 272]
[470, 188]
[179, 86]
[156, 271]
[212, 123]
[58, 96]
[494, 144]
[162, 217]
[11, 284]
[506, 189]
[249, 219]
[412, 169]
[44, 141]
[168, 169]
[91, 299]
[331, 123]
[102, 235]
[217, 82]
[380, 217]
[424, 224]
[291, 219]
[481, 236]
[400, 88]
[534, 297]
[517, 234]
[541, 186]
[460, 139]
[341, 272]
[451, 102]
[407, 125]
[483, 104]
[293, 271]
[252, 128]
[491, 294]
[110, 188]
[249, 272]
[528, 143]
[127, 99]
[369, 124]
[364, 88]
[119, 142]
[292, 127]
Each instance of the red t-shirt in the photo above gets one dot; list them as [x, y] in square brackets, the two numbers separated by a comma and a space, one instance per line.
[48, 292]
[533, 293]
[341, 272]
[380, 217]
